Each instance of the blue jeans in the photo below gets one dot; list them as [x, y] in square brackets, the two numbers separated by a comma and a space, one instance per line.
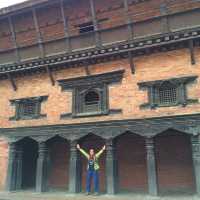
[95, 175]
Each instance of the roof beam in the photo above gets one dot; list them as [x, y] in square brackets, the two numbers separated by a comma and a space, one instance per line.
[39, 35]
[50, 75]
[132, 65]
[128, 19]
[14, 40]
[65, 24]
[12, 81]
[95, 22]
[191, 48]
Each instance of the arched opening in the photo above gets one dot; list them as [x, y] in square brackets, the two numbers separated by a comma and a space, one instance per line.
[93, 142]
[174, 162]
[91, 101]
[131, 159]
[59, 154]
[29, 149]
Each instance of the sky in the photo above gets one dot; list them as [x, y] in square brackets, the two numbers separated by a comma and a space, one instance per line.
[5, 3]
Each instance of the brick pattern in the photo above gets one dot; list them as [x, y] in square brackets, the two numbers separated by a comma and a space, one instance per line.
[125, 95]
[174, 162]
[109, 13]
[3, 162]
[131, 158]
[59, 163]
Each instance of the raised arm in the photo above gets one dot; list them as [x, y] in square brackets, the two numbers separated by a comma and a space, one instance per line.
[82, 151]
[100, 152]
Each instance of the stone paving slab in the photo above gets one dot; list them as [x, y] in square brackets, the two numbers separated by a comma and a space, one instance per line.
[64, 196]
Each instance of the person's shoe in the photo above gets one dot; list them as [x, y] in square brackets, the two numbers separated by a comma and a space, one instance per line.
[96, 194]
[87, 193]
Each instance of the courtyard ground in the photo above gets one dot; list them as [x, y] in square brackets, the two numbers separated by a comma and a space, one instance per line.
[64, 196]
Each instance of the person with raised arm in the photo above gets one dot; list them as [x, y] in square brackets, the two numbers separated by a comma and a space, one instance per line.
[92, 168]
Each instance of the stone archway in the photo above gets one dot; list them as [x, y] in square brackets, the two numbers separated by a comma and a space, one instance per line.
[174, 162]
[58, 170]
[96, 143]
[131, 161]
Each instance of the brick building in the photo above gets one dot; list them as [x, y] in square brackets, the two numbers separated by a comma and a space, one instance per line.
[124, 73]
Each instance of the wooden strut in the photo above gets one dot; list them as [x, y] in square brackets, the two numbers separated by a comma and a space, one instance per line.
[87, 69]
[132, 65]
[12, 81]
[50, 75]
[191, 48]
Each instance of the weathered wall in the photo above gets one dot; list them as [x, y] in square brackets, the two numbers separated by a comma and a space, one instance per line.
[131, 158]
[174, 162]
[3, 162]
[125, 95]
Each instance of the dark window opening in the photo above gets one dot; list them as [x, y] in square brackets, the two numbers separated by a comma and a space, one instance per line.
[28, 108]
[91, 98]
[167, 94]
[91, 102]
[86, 27]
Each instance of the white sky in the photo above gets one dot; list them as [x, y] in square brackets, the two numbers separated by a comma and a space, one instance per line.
[6, 3]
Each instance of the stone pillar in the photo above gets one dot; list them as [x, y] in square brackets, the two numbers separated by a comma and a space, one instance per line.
[111, 167]
[196, 160]
[74, 169]
[42, 168]
[12, 166]
[151, 167]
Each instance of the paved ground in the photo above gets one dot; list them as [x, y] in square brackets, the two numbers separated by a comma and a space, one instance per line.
[64, 196]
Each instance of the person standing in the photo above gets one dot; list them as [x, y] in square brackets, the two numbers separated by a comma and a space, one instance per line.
[92, 168]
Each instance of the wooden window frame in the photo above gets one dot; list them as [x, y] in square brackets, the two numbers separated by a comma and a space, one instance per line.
[181, 88]
[19, 106]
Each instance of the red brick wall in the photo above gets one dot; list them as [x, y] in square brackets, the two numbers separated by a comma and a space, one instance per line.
[131, 157]
[174, 162]
[3, 162]
[96, 143]
[78, 12]
[59, 163]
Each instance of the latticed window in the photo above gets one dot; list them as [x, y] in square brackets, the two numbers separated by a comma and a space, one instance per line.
[28, 108]
[91, 102]
[167, 94]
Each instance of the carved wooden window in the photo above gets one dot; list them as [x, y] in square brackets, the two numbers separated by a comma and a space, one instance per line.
[90, 94]
[167, 94]
[92, 102]
[171, 92]
[28, 108]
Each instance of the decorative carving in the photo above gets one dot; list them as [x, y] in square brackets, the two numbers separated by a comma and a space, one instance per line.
[179, 84]
[111, 167]
[35, 106]
[75, 168]
[148, 127]
[93, 55]
[97, 84]
[42, 167]
[107, 78]
[151, 167]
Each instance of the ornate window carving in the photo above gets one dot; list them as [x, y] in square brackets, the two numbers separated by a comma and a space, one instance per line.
[171, 92]
[167, 94]
[90, 94]
[28, 108]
